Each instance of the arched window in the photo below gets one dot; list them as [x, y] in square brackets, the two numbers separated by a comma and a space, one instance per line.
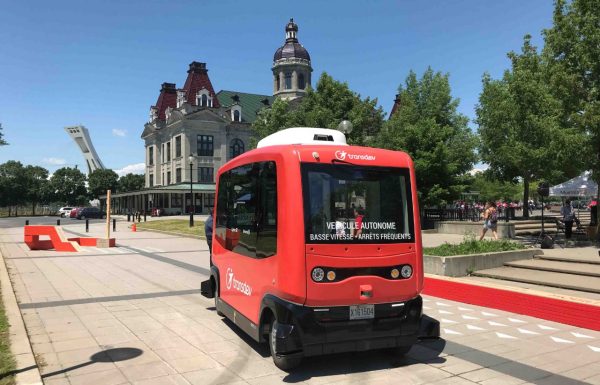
[236, 148]
[301, 82]
[236, 116]
[277, 82]
[204, 100]
[288, 80]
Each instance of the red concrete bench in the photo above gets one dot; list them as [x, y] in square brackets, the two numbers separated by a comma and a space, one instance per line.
[57, 240]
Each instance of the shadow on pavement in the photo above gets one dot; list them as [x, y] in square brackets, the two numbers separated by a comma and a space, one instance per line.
[110, 355]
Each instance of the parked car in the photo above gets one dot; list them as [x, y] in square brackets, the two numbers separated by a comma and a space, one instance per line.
[64, 211]
[75, 211]
[90, 212]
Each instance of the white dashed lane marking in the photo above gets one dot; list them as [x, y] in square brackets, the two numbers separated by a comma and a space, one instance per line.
[449, 313]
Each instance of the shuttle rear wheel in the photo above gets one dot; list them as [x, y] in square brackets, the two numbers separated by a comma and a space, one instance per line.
[283, 362]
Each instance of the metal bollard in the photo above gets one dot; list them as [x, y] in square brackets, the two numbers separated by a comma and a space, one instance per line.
[128, 217]
[144, 216]
[114, 225]
[27, 222]
[87, 225]
[58, 222]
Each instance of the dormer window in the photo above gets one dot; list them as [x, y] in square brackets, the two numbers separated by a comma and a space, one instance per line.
[153, 114]
[204, 99]
[168, 113]
[180, 98]
[236, 113]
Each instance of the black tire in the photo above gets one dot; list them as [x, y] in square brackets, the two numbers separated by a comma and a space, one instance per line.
[82, 217]
[62, 215]
[285, 363]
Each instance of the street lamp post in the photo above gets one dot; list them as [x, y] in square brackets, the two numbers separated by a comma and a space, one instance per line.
[191, 160]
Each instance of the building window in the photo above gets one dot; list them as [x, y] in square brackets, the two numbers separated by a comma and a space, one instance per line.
[277, 82]
[288, 80]
[205, 145]
[301, 82]
[178, 175]
[151, 180]
[204, 100]
[162, 153]
[205, 175]
[176, 200]
[209, 200]
[248, 203]
[151, 155]
[168, 151]
[236, 148]
[163, 178]
[178, 146]
[237, 117]
[168, 177]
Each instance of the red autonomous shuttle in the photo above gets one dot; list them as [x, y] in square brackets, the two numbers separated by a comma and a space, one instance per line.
[317, 246]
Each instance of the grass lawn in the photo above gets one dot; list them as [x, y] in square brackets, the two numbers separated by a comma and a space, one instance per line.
[178, 226]
[7, 362]
[472, 246]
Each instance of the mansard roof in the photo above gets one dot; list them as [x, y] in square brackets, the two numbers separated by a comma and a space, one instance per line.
[250, 103]
[166, 98]
[198, 79]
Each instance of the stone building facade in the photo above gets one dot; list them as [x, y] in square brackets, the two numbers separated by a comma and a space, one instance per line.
[193, 130]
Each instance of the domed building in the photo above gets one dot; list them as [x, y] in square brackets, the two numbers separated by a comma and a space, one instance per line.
[291, 66]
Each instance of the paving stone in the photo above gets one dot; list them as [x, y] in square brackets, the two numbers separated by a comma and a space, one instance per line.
[214, 376]
[166, 380]
[147, 371]
[106, 377]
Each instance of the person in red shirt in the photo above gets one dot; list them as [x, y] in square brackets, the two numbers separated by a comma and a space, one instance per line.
[358, 220]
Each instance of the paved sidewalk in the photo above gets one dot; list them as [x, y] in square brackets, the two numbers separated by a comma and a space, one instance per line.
[142, 297]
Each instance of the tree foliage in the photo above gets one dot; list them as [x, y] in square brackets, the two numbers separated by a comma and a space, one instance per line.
[519, 124]
[37, 186]
[326, 106]
[13, 184]
[68, 186]
[428, 127]
[491, 189]
[572, 50]
[2, 141]
[131, 182]
[101, 180]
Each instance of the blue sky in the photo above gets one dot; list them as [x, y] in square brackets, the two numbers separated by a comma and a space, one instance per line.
[101, 63]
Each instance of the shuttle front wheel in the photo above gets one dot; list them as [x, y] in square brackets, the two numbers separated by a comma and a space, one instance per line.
[284, 362]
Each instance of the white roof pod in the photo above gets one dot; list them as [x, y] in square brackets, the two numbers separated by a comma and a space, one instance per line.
[304, 135]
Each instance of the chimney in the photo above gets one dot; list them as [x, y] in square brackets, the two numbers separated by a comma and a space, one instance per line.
[198, 68]
[168, 87]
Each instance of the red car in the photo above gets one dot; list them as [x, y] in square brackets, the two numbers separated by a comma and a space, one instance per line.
[317, 246]
[74, 212]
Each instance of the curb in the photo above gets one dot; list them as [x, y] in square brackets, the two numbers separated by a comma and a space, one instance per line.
[172, 233]
[584, 313]
[19, 341]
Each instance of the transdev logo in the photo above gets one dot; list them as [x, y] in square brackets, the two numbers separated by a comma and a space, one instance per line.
[240, 286]
[342, 155]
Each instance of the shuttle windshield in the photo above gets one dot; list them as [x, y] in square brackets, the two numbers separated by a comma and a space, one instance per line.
[357, 204]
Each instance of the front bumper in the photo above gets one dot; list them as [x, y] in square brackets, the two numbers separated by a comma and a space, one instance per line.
[316, 331]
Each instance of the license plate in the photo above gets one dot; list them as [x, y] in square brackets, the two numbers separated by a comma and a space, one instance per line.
[362, 312]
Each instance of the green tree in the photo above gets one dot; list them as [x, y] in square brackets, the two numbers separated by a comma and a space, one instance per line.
[68, 186]
[131, 182]
[2, 141]
[572, 50]
[491, 189]
[437, 137]
[325, 106]
[101, 180]
[13, 185]
[519, 125]
[36, 185]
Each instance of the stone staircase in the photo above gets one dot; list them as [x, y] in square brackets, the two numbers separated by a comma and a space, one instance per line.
[575, 272]
[534, 227]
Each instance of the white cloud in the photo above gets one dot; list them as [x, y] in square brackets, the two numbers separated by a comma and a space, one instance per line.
[137, 168]
[117, 132]
[479, 169]
[55, 161]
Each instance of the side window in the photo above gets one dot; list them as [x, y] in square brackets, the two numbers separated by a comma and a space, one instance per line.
[266, 244]
[246, 220]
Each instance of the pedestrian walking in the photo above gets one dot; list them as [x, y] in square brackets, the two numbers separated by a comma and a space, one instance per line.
[490, 220]
[568, 217]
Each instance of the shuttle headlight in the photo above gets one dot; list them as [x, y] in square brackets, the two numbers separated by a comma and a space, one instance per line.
[318, 274]
[395, 273]
[406, 271]
[330, 275]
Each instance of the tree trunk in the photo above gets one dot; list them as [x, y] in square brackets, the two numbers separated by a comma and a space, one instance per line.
[525, 197]
[33, 209]
[9, 210]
